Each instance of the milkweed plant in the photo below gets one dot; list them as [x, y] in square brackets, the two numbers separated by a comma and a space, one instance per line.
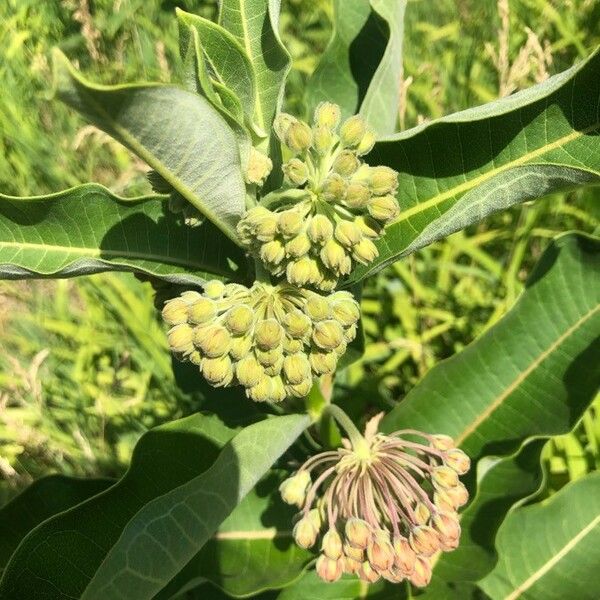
[260, 232]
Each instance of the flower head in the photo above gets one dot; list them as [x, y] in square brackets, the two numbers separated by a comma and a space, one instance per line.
[383, 513]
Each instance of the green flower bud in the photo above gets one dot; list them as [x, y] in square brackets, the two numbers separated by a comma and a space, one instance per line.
[275, 368]
[303, 271]
[444, 477]
[347, 233]
[357, 195]
[358, 533]
[365, 251]
[298, 246]
[333, 188]
[457, 460]
[262, 391]
[323, 363]
[293, 489]
[291, 346]
[269, 358]
[295, 171]
[259, 167]
[404, 556]
[334, 257]
[296, 323]
[383, 208]
[249, 371]
[217, 371]
[282, 123]
[296, 368]
[327, 115]
[346, 311]
[278, 393]
[322, 140]
[268, 334]
[328, 283]
[175, 312]
[421, 575]
[383, 180]
[272, 253]
[352, 131]
[317, 308]
[239, 319]
[305, 533]
[350, 333]
[329, 570]
[346, 163]
[368, 226]
[195, 358]
[380, 552]
[214, 289]
[332, 544]
[368, 573]
[320, 229]
[328, 334]
[180, 338]
[213, 340]
[190, 296]
[240, 346]
[366, 144]
[202, 311]
[266, 229]
[300, 390]
[424, 540]
[298, 136]
[289, 223]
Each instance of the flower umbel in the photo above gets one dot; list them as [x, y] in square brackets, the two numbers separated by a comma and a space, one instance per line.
[334, 207]
[272, 340]
[386, 504]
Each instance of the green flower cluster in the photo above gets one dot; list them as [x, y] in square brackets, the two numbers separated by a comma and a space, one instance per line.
[270, 339]
[314, 234]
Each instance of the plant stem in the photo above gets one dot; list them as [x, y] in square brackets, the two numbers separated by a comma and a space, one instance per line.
[356, 438]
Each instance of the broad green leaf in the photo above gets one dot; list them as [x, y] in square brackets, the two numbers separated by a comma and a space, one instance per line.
[362, 65]
[168, 531]
[227, 61]
[58, 558]
[43, 499]
[549, 551]
[88, 229]
[253, 549]
[255, 25]
[178, 133]
[532, 374]
[459, 169]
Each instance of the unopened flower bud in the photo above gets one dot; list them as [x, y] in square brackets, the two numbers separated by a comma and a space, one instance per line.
[293, 489]
[262, 391]
[357, 195]
[296, 323]
[458, 495]
[351, 565]
[366, 144]
[266, 228]
[268, 334]
[383, 208]
[175, 312]
[328, 283]
[333, 256]
[298, 246]
[295, 171]
[217, 371]
[249, 371]
[442, 442]
[323, 363]
[368, 226]
[392, 575]
[380, 552]
[320, 229]
[444, 477]
[300, 390]
[278, 393]
[305, 533]
[365, 251]
[317, 308]
[358, 533]
[424, 540]
[383, 180]
[213, 340]
[354, 553]
[298, 136]
[421, 575]
[346, 311]
[322, 140]
[259, 167]
[333, 188]
[296, 368]
[327, 115]
[275, 368]
[345, 163]
[203, 310]
[180, 338]
[347, 233]
[272, 253]
[240, 346]
[446, 524]
[422, 513]
[214, 289]
[328, 334]
[291, 345]
[368, 573]
[352, 131]
[303, 271]
[269, 358]
[332, 544]
[282, 123]
[289, 223]
[328, 569]
[457, 460]
[350, 333]
[404, 556]
[239, 319]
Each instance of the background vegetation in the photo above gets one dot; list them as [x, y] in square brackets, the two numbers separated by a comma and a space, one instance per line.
[84, 366]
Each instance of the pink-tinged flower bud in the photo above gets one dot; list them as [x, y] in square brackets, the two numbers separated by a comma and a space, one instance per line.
[175, 312]
[329, 569]
[404, 556]
[368, 573]
[380, 552]
[424, 540]
[356, 554]
[332, 544]
[449, 529]
[442, 442]
[351, 565]
[457, 460]
[358, 533]
[293, 489]
[444, 477]
[180, 338]
[422, 513]
[392, 575]
[442, 501]
[305, 533]
[327, 115]
[458, 494]
[421, 576]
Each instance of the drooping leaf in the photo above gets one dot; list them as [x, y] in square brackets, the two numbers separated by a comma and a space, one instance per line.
[255, 25]
[253, 549]
[88, 229]
[362, 66]
[459, 169]
[168, 531]
[549, 551]
[178, 133]
[43, 499]
[532, 374]
[58, 558]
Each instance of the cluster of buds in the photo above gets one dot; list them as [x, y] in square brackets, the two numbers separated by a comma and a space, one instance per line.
[272, 340]
[314, 234]
[387, 504]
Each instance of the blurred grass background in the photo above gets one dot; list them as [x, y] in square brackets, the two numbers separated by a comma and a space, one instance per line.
[84, 367]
